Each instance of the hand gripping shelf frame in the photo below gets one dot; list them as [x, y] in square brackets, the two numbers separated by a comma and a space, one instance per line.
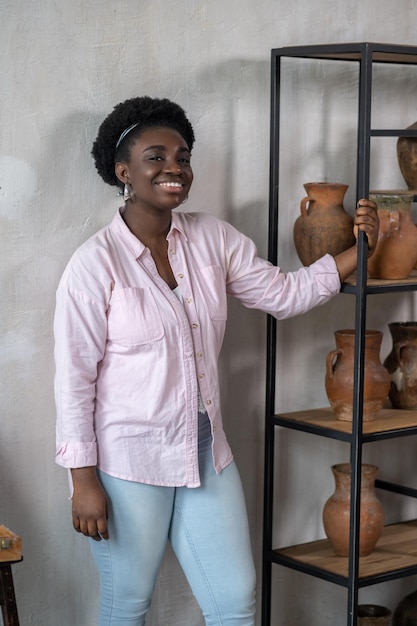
[352, 572]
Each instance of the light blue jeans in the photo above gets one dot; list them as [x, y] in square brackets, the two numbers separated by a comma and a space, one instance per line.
[208, 530]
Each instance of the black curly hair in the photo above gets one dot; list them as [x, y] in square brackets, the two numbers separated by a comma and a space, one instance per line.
[145, 112]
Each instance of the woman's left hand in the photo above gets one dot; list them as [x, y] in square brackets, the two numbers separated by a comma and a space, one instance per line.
[367, 220]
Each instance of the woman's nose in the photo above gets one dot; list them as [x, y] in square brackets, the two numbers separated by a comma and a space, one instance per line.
[173, 166]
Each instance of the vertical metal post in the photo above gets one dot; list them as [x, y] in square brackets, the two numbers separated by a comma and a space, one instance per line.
[7, 596]
[364, 114]
[271, 347]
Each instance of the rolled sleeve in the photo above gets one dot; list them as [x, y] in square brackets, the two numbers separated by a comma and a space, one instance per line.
[73, 455]
[326, 276]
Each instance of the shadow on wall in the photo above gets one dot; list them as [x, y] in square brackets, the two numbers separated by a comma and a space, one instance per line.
[238, 91]
[238, 151]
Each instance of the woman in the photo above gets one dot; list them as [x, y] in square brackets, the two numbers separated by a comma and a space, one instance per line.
[140, 318]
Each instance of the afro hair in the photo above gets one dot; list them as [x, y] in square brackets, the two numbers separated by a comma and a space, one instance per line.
[144, 112]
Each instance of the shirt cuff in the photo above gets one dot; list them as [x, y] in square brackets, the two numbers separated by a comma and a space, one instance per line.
[326, 274]
[73, 455]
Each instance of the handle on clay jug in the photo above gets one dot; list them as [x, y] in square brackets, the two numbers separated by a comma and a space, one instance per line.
[303, 206]
[398, 348]
[331, 362]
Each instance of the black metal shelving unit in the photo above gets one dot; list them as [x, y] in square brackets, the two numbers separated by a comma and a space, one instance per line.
[353, 572]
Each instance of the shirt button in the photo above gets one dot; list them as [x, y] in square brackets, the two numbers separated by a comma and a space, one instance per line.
[199, 354]
[208, 402]
[172, 251]
[194, 325]
[202, 375]
[180, 275]
[214, 429]
[188, 300]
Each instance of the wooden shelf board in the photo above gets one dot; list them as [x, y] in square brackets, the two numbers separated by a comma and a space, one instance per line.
[386, 420]
[379, 282]
[395, 550]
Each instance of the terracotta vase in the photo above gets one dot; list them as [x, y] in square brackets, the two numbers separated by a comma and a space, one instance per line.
[401, 364]
[407, 158]
[340, 372]
[405, 613]
[323, 226]
[373, 615]
[336, 511]
[396, 250]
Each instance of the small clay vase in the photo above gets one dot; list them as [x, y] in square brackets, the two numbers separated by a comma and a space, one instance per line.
[407, 158]
[336, 511]
[395, 254]
[405, 613]
[323, 226]
[339, 376]
[401, 364]
[373, 615]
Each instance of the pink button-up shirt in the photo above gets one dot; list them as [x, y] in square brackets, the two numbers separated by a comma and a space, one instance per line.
[130, 357]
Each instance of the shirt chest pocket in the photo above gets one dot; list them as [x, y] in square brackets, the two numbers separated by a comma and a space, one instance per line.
[133, 317]
[214, 290]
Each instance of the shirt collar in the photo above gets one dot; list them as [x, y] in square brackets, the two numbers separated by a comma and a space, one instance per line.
[122, 231]
[134, 244]
[177, 223]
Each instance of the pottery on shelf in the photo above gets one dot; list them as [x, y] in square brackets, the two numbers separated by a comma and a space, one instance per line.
[395, 254]
[336, 511]
[340, 373]
[323, 225]
[401, 364]
[407, 158]
[405, 613]
[373, 615]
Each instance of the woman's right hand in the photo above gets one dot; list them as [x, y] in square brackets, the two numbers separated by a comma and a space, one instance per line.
[89, 504]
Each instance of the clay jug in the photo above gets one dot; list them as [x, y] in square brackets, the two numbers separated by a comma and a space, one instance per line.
[401, 364]
[396, 250]
[323, 226]
[405, 613]
[336, 511]
[373, 615]
[339, 376]
[407, 158]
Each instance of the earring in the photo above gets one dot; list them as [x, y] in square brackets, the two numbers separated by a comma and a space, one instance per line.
[126, 193]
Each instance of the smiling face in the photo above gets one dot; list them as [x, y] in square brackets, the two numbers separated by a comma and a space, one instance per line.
[159, 170]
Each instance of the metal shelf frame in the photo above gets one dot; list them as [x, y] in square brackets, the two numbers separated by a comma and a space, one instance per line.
[281, 420]
[365, 55]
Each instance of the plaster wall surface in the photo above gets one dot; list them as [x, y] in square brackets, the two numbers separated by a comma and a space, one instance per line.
[64, 65]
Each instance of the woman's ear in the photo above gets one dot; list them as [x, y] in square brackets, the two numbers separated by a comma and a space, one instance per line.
[121, 171]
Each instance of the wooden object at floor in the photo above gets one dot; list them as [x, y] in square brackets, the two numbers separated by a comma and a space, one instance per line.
[10, 553]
